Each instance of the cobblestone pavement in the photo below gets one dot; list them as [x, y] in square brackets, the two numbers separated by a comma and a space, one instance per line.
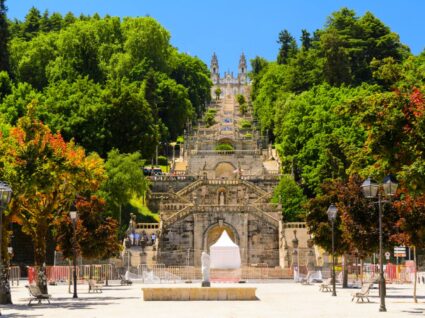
[275, 299]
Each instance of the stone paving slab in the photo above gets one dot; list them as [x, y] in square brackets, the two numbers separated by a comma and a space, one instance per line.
[275, 299]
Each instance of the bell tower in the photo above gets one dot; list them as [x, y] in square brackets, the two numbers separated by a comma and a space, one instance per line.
[215, 75]
[242, 69]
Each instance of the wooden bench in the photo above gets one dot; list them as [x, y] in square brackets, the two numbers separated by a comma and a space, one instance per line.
[36, 294]
[363, 293]
[94, 286]
[326, 286]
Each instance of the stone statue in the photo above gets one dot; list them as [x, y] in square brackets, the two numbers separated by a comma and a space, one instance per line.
[205, 260]
[221, 198]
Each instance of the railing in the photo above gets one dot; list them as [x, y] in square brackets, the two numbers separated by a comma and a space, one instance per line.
[211, 208]
[254, 187]
[259, 178]
[84, 272]
[178, 215]
[167, 196]
[295, 225]
[147, 226]
[225, 152]
[222, 181]
[158, 273]
[173, 274]
[14, 275]
[173, 206]
[178, 175]
[189, 188]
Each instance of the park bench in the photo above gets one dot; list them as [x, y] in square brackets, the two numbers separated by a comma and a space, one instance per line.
[36, 294]
[363, 293]
[125, 281]
[94, 286]
[326, 286]
[306, 280]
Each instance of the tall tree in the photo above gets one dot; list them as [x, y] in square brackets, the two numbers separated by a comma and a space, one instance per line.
[4, 38]
[32, 23]
[96, 233]
[45, 173]
[288, 47]
[125, 180]
[305, 40]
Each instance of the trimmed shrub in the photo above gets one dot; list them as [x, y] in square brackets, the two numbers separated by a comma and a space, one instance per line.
[162, 161]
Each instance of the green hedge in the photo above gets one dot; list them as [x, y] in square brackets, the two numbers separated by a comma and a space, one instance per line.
[162, 161]
[221, 147]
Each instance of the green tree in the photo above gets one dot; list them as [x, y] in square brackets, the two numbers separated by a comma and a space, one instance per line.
[146, 39]
[14, 105]
[79, 111]
[69, 19]
[292, 198]
[125, 180]
[174, 106]
[193, 74]
[30, 59]
[32, 23]
[5, 84]
[217, 93]
[4, 38]
[129, 119]
[288, 47]
[305, 40]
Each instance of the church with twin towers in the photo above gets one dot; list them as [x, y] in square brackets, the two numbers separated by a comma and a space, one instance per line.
[229, 84]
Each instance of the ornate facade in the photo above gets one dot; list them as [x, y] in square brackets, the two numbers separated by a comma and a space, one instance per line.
[212, 190]
[229, 84]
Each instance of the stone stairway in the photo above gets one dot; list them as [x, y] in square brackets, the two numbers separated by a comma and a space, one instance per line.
[137, 257]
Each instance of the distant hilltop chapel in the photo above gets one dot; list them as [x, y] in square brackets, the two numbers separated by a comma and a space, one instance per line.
[229, 84]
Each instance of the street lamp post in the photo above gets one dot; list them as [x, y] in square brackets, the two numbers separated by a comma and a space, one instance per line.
[73, 215]
[5, 196]
[370, 189]
[332, 211]
[173, 144]
[296, 257]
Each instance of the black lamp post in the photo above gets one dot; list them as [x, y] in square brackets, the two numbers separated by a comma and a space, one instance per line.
[5, 196]
[370, 189]
[73, 215]
[332, 211]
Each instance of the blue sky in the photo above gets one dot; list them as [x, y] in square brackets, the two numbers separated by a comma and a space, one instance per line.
[228, 27]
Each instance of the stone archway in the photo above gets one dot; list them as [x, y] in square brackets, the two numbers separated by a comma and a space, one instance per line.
[213, 233]
[224, 170]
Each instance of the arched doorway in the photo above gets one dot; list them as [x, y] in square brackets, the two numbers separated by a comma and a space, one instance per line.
[213, 233]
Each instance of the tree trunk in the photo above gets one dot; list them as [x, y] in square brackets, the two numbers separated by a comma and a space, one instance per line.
[5, 294]
[40, 257]
[345, 271]
[416, 275]
[361, 271]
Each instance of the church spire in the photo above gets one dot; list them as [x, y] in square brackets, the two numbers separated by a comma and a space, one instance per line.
[242, 64]
[214, 69]
[214, 64]
[242, 69]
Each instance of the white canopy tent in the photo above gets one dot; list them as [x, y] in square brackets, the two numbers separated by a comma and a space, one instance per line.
[225, 253]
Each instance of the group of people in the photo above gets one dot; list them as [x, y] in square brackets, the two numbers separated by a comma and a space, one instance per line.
[143, 239]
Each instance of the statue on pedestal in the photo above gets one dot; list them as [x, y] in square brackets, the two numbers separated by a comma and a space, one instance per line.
[205, 261]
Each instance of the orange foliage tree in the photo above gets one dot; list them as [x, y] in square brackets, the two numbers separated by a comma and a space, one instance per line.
[46, 173]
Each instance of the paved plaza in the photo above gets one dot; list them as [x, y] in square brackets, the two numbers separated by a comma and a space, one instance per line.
[276, 299]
